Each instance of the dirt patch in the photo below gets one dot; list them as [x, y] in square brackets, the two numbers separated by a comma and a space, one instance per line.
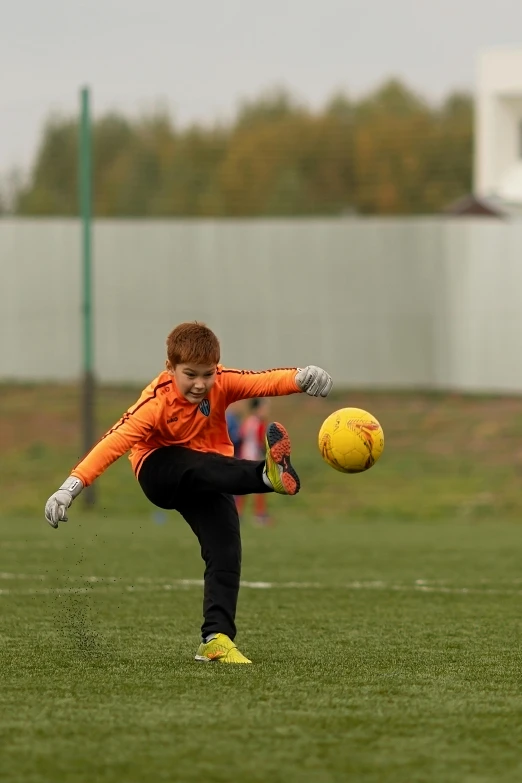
[484, 428]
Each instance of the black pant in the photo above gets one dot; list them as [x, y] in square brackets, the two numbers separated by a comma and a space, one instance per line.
[201, 487]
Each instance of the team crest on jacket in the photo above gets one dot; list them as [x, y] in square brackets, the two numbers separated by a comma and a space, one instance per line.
[204, 407]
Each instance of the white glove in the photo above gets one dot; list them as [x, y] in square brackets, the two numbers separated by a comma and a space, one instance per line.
[57, 505]
[314, 381]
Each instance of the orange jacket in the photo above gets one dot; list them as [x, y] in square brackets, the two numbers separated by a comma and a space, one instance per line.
[163, 417]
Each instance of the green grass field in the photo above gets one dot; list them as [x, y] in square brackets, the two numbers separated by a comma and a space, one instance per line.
[382, 611]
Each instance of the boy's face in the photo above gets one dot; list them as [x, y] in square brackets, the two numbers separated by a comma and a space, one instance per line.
[194, 381]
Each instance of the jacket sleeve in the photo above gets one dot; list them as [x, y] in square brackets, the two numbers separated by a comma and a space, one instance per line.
[135, 425]
[243, 384]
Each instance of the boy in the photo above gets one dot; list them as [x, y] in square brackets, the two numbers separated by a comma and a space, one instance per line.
[252, 430]
[181, 455]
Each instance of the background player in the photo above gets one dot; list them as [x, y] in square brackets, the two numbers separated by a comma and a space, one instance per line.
[252, 446]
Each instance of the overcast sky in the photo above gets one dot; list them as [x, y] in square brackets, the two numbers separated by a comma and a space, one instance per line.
[199, 57]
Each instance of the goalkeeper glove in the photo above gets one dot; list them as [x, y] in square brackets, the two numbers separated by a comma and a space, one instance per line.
[314, 381]
[57, 505]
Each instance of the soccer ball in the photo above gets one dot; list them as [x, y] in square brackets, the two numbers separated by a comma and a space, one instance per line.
[351, 440]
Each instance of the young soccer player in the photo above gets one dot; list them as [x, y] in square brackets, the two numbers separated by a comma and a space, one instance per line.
[253, 430]
[180, 452]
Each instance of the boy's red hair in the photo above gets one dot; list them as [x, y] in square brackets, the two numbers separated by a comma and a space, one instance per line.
[192, 343]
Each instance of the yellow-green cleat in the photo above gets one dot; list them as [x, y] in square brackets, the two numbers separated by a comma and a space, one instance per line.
[220, 649]
[278, 470]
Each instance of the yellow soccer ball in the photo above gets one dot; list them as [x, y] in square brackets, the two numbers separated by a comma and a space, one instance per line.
[351, 440]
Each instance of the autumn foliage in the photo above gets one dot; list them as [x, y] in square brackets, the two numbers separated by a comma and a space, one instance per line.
[389, 153]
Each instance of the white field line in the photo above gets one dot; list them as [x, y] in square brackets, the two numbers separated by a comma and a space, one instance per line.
[113, 584]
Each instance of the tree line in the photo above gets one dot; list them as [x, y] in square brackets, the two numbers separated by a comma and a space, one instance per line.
[387, 153]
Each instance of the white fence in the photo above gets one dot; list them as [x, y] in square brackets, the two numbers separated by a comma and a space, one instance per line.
[431, 303]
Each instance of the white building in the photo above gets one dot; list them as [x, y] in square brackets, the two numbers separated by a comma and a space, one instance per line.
[498, 127]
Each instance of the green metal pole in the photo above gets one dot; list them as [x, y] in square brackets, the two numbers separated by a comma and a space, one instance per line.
[85, 193]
